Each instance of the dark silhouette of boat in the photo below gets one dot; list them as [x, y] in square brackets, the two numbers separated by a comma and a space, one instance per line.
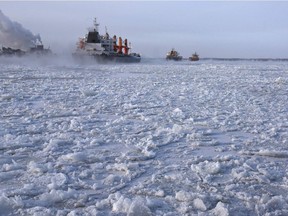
[37, 50]
[194, 57]
[8, 51]
[173, 55]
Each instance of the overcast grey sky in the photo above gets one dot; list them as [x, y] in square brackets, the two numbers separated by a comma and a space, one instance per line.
[212, 28]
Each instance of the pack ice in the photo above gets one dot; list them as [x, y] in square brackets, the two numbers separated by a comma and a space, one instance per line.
[154, 138]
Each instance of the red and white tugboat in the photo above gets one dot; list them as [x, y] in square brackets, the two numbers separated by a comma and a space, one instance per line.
[104, 48]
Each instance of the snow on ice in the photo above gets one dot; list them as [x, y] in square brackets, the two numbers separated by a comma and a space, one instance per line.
[155, 138]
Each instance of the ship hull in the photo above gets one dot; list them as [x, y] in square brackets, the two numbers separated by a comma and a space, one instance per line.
[107, 58]
[38, 51]
[193, 59]
[117, 58]
[178, 58]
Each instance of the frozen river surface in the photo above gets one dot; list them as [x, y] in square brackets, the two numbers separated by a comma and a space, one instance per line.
[155, 138]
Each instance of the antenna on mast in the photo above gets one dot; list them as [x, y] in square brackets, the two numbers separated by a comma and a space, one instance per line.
[106, 33]
[96, 24]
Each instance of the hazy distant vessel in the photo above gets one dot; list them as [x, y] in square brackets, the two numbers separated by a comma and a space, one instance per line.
[104, 48]
[8, 51]
[173, 55]
[37, 50]
[194, 57]
[40, 50]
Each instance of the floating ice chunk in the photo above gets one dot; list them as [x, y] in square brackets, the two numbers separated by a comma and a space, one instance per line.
[280, 80]
[177, 128]
[183, 196]
[148, 153]
[139, 208]
[55, 145]
[81, 211]
[36, 168]
[273, 205]
[17, 202]
[273, 153]
[97, 186]
[207, 167]
[160, 193]
[155, 203]
[221, 209]
[121, 205]
[239, 173]
[97, 166]
[177, 110]
[89, 92]
[129, 106]
[39, 210]
[265, 198]
[6, 97]
[173, 177]
[57, 181]
[103, 204]
[91, 210]
[13, 166]
[74, 157]
[75, 125]
[56, 196]
[118, 167]
[112, 180]
[97, 141]
[6, 207]
[199, 204]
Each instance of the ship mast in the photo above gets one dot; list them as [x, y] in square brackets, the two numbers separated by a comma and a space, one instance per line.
[96, 25]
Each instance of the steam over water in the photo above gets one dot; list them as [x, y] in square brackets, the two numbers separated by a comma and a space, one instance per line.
[14, 35]
[154, 138]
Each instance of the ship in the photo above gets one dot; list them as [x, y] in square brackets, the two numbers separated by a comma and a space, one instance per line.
[38, 50]
[104, 48]
[194, 57]
[8, 51]
[173, 55]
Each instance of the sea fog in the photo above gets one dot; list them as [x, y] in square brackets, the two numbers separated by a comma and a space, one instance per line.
[154, 138]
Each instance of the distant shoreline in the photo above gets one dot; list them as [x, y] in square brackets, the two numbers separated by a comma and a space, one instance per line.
[246, 59]
[229, 59]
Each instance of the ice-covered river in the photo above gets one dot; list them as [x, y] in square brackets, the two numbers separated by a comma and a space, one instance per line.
[154, 138]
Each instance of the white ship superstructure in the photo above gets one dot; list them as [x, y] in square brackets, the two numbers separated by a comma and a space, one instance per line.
[103, 47]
